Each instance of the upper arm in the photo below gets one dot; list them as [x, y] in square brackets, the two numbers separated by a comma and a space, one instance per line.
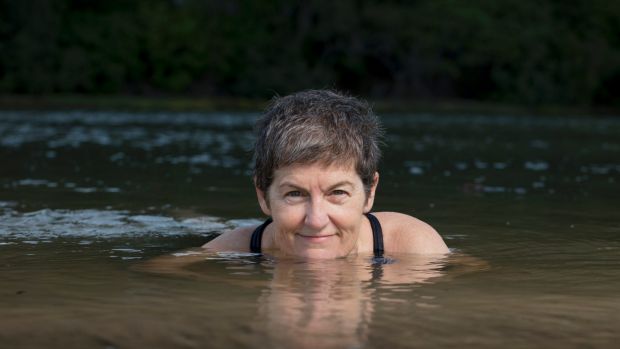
[404, 233]
[237, 240]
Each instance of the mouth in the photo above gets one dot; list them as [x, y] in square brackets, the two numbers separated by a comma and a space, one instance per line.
[316, 238]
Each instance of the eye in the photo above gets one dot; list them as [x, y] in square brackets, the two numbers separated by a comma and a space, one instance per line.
[293, 194]
[339, 192]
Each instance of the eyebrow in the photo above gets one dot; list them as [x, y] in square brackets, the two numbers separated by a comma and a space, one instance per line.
[335, 185]
[342, 183]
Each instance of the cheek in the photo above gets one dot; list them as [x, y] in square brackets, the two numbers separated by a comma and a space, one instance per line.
[286, 216]
[349, 223]
[350, 213]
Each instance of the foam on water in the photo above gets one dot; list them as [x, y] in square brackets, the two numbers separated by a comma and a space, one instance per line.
[101, 224]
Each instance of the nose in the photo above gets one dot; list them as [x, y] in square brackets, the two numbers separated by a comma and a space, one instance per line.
[316, 214]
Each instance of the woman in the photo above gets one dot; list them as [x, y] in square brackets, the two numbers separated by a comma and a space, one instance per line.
[315, 175]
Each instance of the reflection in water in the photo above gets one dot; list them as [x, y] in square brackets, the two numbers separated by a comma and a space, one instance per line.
[313, 304]
[317, 305]
[330, 304]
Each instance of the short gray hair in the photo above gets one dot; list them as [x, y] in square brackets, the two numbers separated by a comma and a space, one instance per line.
[317, 126]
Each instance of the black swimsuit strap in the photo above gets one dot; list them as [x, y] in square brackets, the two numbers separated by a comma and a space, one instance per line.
[377, 236]
[257, 236]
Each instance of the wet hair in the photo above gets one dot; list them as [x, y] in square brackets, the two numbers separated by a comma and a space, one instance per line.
[317, 126]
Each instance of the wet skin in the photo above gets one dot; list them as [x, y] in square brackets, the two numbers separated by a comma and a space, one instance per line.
[317, 211]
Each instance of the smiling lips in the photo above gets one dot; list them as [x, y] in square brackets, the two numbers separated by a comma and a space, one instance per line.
[315, 238]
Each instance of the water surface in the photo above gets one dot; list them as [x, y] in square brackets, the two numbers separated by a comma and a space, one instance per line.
[89, 199]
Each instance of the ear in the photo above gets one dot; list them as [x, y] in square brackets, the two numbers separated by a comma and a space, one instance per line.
[371, 195]
[262, 200]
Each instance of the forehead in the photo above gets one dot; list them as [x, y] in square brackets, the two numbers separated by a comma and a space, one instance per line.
[316, 174]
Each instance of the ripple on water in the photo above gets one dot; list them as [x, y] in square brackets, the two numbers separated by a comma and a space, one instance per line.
[30, 182]
[536, 165]
[101, 224]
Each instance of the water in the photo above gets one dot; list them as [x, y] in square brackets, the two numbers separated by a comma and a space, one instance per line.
[97, 210]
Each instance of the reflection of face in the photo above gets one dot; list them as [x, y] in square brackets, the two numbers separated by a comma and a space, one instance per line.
[329, 304]
[317, 210]
[319, 304]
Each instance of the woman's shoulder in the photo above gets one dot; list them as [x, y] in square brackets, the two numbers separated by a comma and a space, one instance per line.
[232, 240]
[404, 233]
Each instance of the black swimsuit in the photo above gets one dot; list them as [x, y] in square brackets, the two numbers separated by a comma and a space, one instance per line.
[377, 236]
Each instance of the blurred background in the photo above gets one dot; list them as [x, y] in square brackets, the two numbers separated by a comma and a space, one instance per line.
[509, 52]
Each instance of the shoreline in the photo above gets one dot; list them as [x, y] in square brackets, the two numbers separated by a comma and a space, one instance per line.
[210, 104]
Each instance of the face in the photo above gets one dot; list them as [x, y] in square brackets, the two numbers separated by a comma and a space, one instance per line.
[317, 210]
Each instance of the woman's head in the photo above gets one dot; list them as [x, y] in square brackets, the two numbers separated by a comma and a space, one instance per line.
[317, 127]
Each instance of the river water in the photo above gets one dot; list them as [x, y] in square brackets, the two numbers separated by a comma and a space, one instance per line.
[92, 202]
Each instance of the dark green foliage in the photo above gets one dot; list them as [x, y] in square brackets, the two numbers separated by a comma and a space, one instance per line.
[508, 51]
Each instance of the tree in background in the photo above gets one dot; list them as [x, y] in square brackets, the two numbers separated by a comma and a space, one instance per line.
[508, 51]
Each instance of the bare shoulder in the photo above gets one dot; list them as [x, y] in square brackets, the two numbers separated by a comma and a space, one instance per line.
[237, 240]
[404, 233]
